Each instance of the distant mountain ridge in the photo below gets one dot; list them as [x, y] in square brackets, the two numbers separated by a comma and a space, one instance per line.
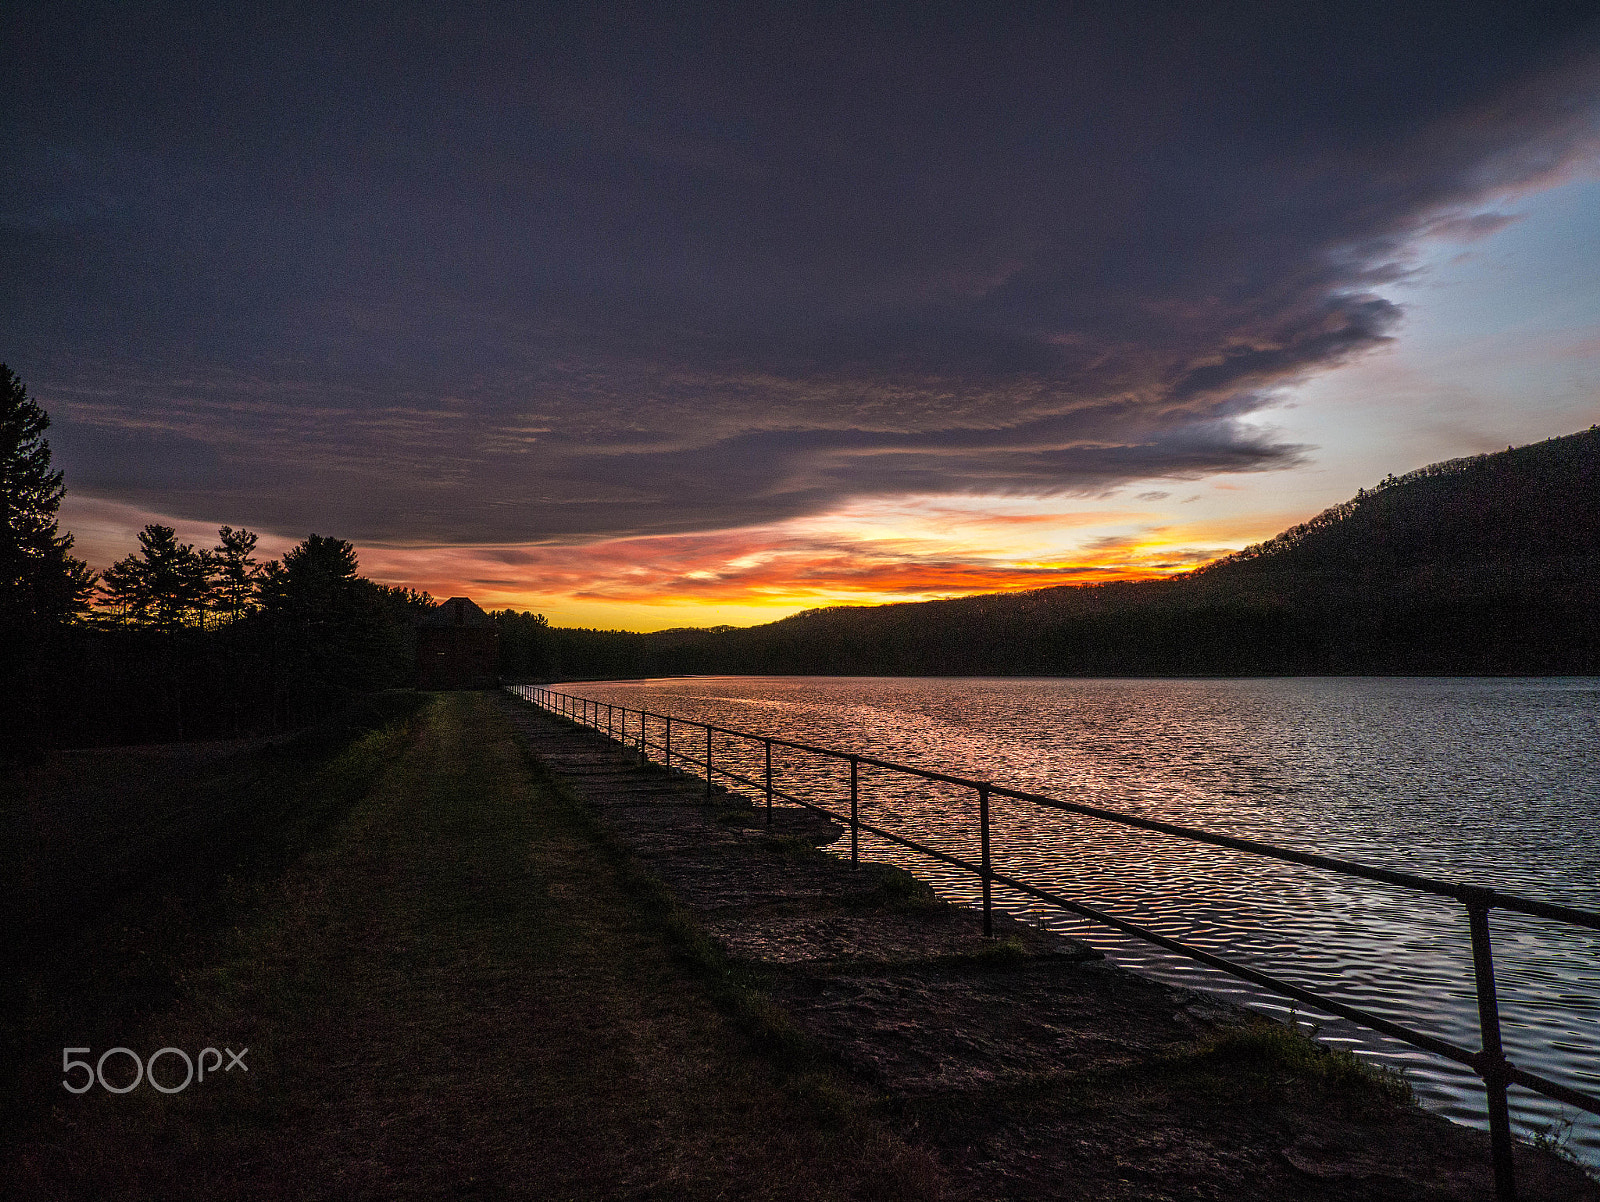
[1483, 565]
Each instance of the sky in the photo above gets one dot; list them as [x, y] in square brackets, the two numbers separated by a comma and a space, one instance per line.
[645, 316]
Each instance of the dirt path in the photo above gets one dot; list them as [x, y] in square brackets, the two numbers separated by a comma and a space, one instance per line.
[453, 997]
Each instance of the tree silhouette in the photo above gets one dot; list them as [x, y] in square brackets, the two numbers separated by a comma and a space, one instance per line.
[334, 630]
[43, 586]
[165, 583]
[237, 576]
[41, 582]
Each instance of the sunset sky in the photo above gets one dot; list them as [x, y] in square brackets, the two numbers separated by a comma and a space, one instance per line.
[664, 315]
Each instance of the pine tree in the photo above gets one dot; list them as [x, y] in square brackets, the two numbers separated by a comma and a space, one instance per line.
[41, 582]
[238, 576]
[164, 583]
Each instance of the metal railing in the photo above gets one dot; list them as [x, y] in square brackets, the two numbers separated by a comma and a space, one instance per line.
[1489, 1061]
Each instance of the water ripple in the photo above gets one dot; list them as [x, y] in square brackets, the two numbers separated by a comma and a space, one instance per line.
[1492, 781]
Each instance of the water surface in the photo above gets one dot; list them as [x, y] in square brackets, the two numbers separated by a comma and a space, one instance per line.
[1495, 781]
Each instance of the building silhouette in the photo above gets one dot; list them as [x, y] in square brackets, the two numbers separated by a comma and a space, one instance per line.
[458, 647]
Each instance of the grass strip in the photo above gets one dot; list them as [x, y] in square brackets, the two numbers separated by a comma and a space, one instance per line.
[460, 988]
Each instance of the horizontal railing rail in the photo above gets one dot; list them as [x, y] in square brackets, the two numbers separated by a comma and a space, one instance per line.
[1489, 1061]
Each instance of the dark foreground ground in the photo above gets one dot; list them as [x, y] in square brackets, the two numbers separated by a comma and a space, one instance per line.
[474, 953]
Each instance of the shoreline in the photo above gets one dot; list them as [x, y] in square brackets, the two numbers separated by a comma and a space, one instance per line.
[830, 970]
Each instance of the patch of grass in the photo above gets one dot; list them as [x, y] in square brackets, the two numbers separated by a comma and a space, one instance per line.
[900, 887]
[463, 989]
[1001, 954]
[1267, 1052]
[142, 860]
[791, 847]
[1556, 1139]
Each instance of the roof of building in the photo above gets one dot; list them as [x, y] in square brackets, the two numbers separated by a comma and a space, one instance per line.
[458, 611]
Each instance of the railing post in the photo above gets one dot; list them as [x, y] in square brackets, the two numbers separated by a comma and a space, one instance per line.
[644, 747]
[769, 783]
[708, 763]
[983, 823]
[1492, 1060]
[855, 821]
[668, 742]
[610, 716]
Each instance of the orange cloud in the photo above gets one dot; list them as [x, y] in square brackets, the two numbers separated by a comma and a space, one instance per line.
[767, 571]
[910, 550]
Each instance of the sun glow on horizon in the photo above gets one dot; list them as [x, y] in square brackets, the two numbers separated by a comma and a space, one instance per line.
[870, 553]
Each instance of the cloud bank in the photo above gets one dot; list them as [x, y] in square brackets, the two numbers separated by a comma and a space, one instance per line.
[487, 275]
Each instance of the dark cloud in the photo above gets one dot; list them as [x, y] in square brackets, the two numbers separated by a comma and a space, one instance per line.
[484, 273]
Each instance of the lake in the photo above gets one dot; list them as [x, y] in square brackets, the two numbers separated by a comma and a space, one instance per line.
[1492, 781]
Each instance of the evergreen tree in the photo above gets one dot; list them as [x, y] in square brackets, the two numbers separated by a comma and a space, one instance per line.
[331, 625]
[164, 583]
[123, 591]
[238, 577]
[317, 579]
[41, 582]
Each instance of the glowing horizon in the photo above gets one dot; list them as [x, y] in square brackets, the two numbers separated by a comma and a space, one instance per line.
[914, 549]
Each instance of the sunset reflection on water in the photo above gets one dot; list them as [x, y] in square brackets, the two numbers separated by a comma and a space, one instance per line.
[1493, 781]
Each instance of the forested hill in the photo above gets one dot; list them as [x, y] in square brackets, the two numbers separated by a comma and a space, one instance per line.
[1482, 565]
[1525, 506]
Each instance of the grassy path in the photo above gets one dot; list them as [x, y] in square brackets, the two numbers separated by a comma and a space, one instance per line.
[453, 994]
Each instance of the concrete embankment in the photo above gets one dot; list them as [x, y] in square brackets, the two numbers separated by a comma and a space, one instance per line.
[1027, 1064]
